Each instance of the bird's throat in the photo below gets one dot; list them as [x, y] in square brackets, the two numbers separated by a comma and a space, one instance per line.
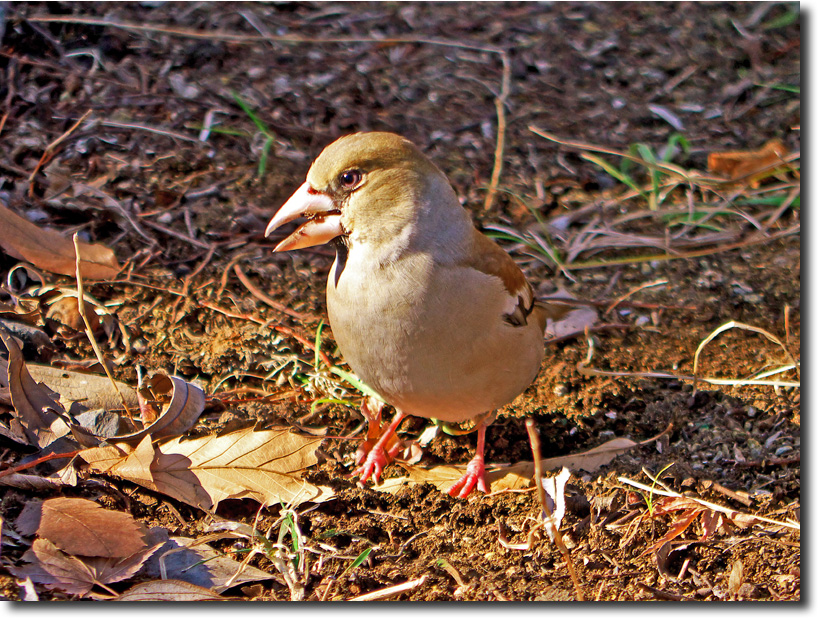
[342, 252]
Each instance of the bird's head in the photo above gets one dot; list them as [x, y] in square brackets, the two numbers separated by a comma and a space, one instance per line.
[368, 186]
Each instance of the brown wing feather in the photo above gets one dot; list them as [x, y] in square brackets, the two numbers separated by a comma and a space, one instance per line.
[487, 257]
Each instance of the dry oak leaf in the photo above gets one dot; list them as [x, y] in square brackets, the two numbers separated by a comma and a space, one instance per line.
[169, 591]
[514, 477]
[198, 564]
[93, 391]
[50, 251]
[82, 527]
[186, 403]
[35, 405]
[48, 565]
[266, 466]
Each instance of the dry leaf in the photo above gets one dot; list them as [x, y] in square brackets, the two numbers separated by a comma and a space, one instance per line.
[82, 527]
[50, 251]
[565, 320]
[32, 482]
[265, 466]
[197, 564]
[66, 311]
[33, 402]
[169, 591]
[92, 391]
[515, 477]
[47, 565]
[736, 578]
[187, 401]
[749, 165]
[442, 477]
[555, 490]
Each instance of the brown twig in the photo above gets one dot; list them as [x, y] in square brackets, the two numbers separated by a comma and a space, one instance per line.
[500, 103]
[617, 301]
[663, 595]
[178, 235]
[88, 331]
[534, 441]
[254, 290]
[27, 465]
[48, 153]
[746, 464]
[188, 279]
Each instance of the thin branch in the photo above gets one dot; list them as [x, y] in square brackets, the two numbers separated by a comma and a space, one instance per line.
[535, 443]
[89, 332]
[48, 153]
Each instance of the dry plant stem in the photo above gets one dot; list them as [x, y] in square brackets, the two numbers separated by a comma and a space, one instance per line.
[254, 290]
[708, 504]
[188, 279]
[733, 324]
[223, 282]
[582, 367]
[500, 103]
[534, 441]
[756, 240]
[221, 35]
[33, 463]
[669, 168]
[795, 192]
[178, 235]
[787, 312]
[618, 301]
[381, 594]
[171, 134]
[89, 332]
[49, 151]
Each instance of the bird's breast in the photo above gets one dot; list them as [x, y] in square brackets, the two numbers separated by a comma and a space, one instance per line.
[430, 339]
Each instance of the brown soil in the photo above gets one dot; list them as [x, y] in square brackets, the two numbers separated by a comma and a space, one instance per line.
[584, 72]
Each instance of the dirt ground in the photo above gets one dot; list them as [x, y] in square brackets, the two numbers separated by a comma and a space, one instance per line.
[181, 212]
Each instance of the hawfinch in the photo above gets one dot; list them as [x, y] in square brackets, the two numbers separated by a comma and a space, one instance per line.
[426, 310]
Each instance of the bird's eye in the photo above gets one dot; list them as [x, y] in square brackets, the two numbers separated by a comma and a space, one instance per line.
[349, 178]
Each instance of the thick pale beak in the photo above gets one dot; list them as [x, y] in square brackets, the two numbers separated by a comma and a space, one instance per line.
[323, 219]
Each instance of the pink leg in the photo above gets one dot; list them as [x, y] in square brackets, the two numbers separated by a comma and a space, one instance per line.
[377, 458]
[371, 409]
[475, 471]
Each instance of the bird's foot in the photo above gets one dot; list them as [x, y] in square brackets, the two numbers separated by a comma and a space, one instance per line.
[369, 458]
[372, 466]
[475, 476]
[371, 410]
[373, 455]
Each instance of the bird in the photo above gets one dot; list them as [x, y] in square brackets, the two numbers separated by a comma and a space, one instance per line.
[428, 311]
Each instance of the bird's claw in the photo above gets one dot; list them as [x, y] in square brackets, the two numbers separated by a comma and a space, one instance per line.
[372, 465]
[475, 477]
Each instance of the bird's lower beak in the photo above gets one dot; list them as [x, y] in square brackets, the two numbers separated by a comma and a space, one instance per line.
[323, 219]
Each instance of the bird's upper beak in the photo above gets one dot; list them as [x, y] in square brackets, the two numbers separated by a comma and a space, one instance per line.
[323, 219]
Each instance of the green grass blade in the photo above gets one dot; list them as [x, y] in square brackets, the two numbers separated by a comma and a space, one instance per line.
[355, 382]
[317, 356]
[263, 159]
[246, 109]
[613, 172]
